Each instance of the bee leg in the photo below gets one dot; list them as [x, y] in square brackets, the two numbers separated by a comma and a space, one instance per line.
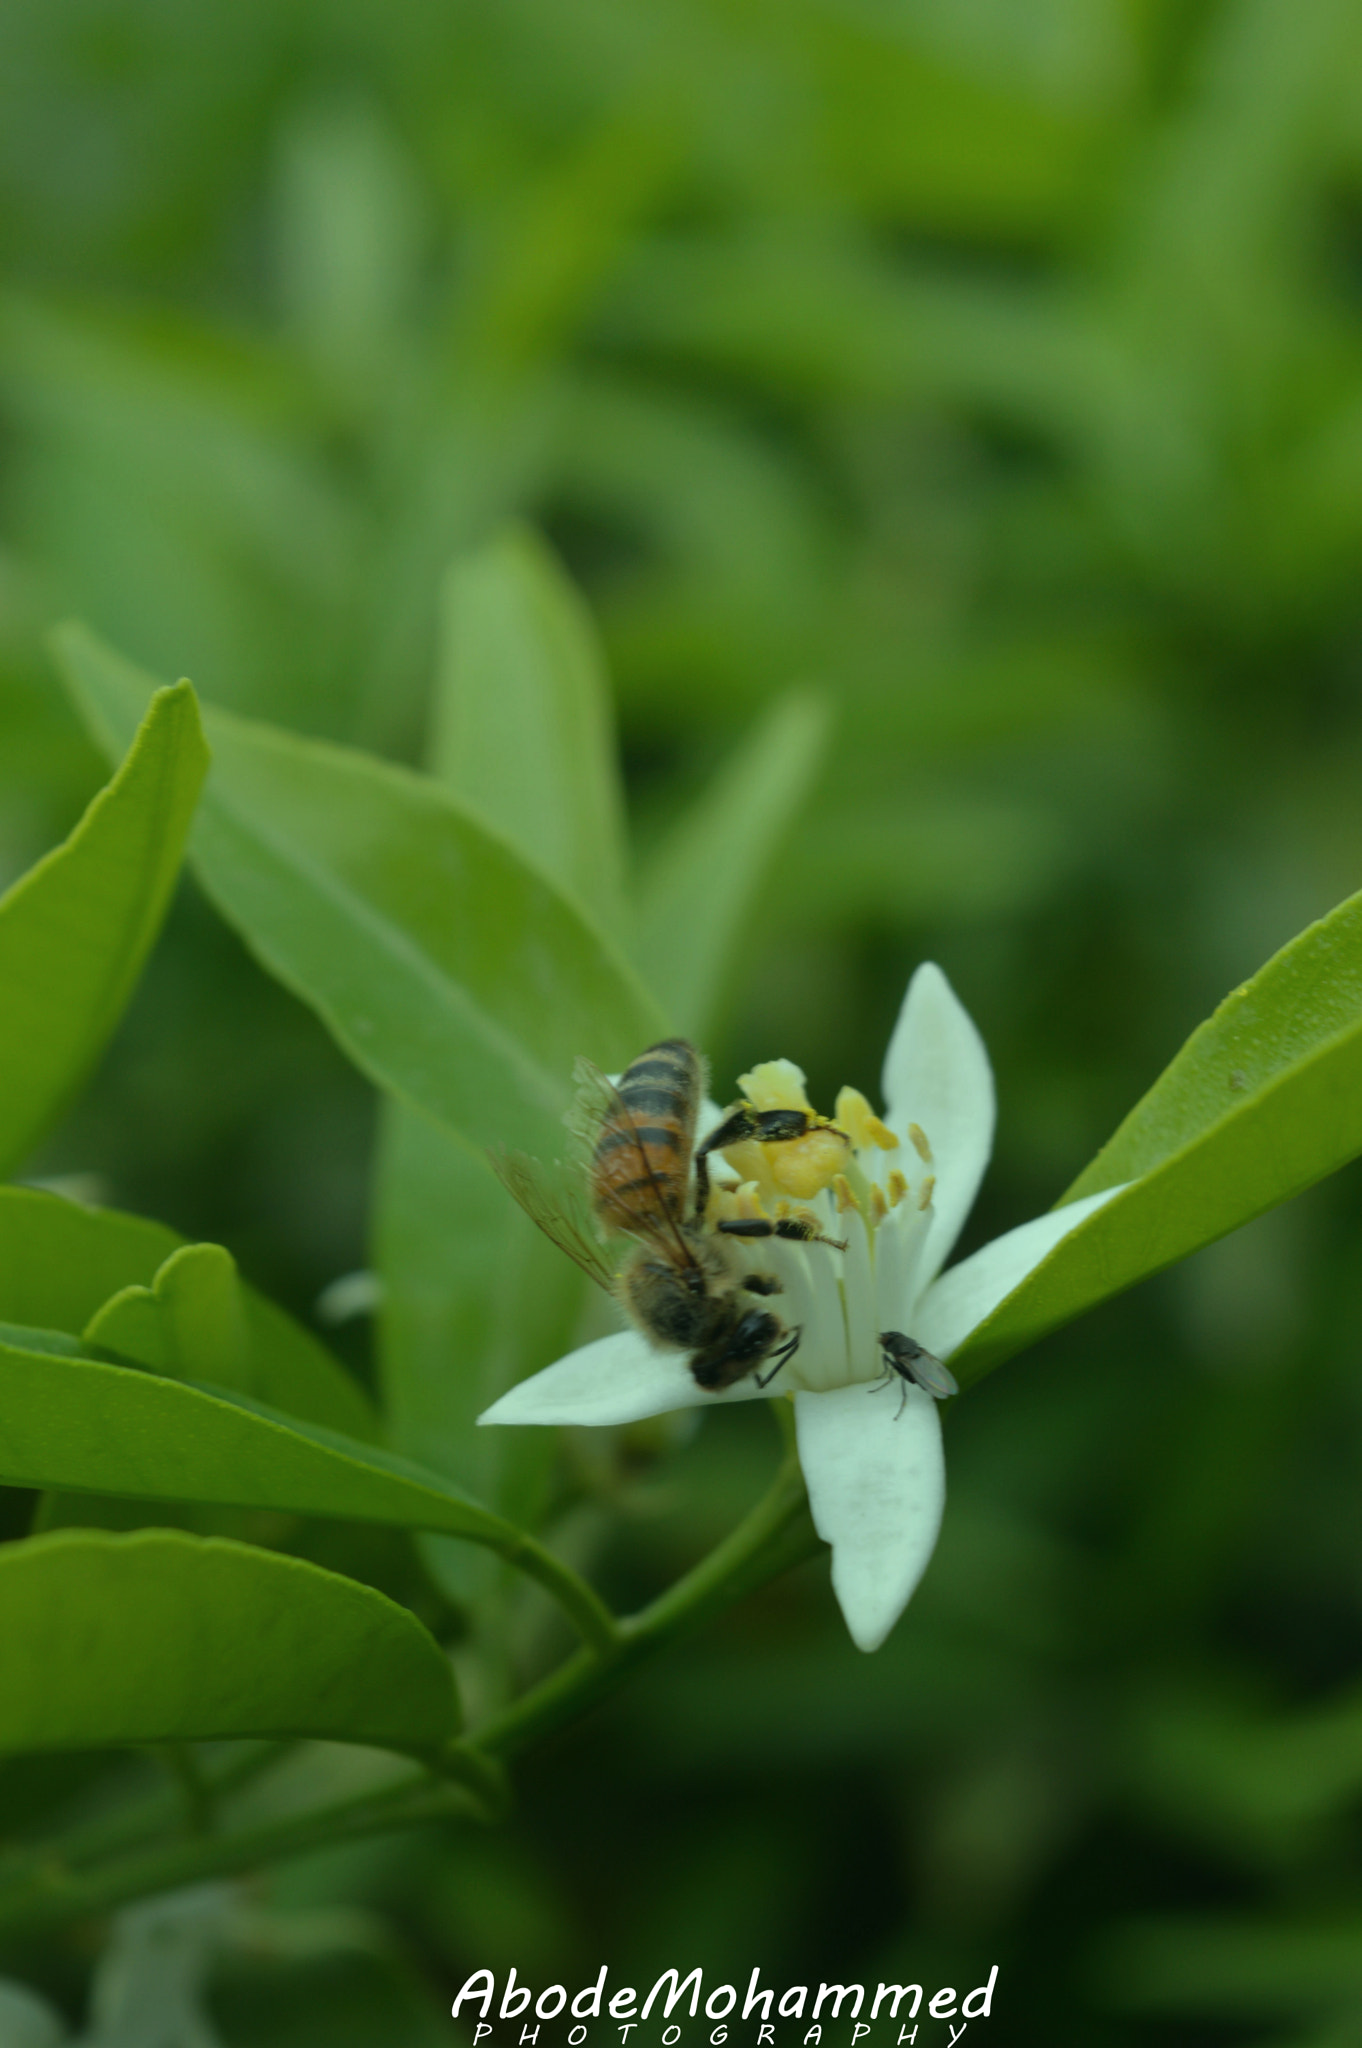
[767, 1126]
[783, 1356]
[792, 1228]
[761, 1283]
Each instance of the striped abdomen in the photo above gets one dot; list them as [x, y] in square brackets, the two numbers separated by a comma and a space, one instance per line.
[640, 1172]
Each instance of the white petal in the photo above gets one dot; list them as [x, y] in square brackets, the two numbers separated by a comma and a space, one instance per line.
[937, 1075]
[812, 1303]
[858, 1292]
[616, 1379]
[899, 1244]
[958, 1302]
[877, 1485]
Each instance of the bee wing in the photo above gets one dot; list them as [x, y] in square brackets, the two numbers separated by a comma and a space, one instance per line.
[550, 1198]
[596, 1098]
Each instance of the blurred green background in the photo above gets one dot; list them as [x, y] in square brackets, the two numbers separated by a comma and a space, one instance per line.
[995, 365]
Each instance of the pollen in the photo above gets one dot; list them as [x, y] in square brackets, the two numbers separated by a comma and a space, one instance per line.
[751, 1162]
[803, 1167]
[775, 1084]
[918, 1139]
[861, 1124]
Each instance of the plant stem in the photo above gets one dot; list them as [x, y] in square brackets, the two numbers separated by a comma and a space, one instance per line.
[589, 1614]
[195, 1790]
[136, 1821]
[56, 1894]
[774, 1536]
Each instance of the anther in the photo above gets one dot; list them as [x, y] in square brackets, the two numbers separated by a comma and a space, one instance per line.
[918, 1138]
[926, 1191]
[842, 1195]
[898, 1188]
[879, 1208]
[860, 1122]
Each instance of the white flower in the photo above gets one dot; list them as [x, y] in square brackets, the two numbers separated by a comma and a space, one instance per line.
[898, 1193]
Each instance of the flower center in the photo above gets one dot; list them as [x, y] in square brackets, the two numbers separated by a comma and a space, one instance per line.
[837, 1174]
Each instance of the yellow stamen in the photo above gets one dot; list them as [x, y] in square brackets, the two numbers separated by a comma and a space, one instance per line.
[749, 1161]
[842, 1195]
[879, 1208]
[918, 1138]
[926, 1191]
[860, 1122]
[775, 1084]
[749, 1201]
[802, 1167]
[898, 1188]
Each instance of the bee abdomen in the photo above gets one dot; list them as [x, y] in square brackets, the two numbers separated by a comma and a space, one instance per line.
[644, 1146]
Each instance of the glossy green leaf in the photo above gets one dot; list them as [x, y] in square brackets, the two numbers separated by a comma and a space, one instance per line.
[473, 1295]
[190, 1322]
[75, 930]
[699, 891]
[61, 1263]
[455, 975]
[1264, 1099]
[91, 1427]
[163, 1637]
[522, 732]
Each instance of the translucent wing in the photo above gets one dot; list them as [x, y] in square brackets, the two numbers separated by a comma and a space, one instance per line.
[550, 1197]
[907, 1358]
[933, 1377]
[595, 1099]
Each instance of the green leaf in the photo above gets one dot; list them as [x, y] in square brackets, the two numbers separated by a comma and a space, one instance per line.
[455, 975]
[1264, 1099]
[523, 734]
[76, 929]
[61, 1263]
[473, 1295]
[90, 1427]
[699, 891]
[163, 1637]
[522, 730]
[56, 1341]
[190, 1322]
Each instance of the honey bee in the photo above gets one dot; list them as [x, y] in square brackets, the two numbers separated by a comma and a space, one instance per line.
[904, 1357]
[683, 1284]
